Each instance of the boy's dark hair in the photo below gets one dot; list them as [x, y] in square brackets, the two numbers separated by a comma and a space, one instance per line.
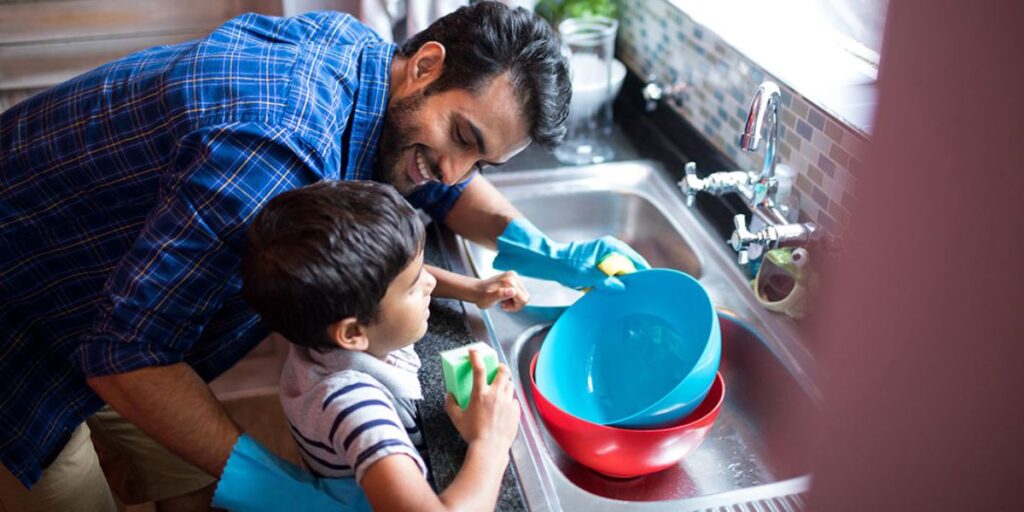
[324, 252]
[487, 39]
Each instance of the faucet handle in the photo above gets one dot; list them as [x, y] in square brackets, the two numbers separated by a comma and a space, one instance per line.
[741, 236]
[691, 184]
[652, 92]
[746, 244]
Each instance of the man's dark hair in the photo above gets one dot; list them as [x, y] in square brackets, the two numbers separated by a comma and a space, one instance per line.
[487, 39]
[324, 252]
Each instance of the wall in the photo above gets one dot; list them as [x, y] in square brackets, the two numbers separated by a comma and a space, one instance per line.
[656, 37]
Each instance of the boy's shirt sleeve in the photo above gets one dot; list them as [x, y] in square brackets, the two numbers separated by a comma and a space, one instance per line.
[365, 427]
[186, 260]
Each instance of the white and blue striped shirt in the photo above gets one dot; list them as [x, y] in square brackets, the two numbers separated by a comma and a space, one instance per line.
[348, 410]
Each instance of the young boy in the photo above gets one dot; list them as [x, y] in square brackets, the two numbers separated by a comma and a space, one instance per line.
[337, 268]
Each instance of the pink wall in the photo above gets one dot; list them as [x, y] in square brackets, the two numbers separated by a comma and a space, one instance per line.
[922, 339]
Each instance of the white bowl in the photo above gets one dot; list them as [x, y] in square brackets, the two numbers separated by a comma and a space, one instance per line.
[589, 90]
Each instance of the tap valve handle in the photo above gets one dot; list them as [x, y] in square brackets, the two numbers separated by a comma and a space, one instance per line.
[746, 244]
[652, 93]
[691, 184]
[741, 237]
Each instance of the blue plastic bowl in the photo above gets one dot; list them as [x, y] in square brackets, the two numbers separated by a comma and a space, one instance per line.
[642, 358]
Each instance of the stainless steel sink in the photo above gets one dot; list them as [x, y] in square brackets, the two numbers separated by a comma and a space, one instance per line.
[767, 371]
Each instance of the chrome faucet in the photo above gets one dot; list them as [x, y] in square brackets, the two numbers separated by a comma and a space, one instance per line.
[764, 108]
[758, 189]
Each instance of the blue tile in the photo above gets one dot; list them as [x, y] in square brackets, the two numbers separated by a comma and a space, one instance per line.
[699, 49]
[847, 201]
[816, 119]
[681, 37]
[698, 33]
[709, 130]
[716, 122]
[827, 165]
[826, 221]
[855, 166]
[803, 129]
[819, 197]
[722, 113]
[717, 93]
[757, 75]
[787, 98]
[738, 95]
[732, 151]
[741, 113]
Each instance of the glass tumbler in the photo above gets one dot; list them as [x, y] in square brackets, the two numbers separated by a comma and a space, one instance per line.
[590, 45]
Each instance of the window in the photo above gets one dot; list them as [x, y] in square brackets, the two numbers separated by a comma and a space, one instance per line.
[827, 50]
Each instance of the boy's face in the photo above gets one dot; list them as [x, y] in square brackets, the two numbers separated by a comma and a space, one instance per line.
[403, 311]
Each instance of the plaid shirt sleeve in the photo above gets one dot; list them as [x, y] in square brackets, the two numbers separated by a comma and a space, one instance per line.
[185, 262]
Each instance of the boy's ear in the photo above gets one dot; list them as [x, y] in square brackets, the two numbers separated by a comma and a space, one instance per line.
[349, 334]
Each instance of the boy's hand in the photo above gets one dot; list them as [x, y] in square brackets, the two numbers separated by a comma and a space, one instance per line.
[506, 288]
[492, 416]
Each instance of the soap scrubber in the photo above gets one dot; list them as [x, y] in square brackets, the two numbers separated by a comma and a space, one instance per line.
[458, 371]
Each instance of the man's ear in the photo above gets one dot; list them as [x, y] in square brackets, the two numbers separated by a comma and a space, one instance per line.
[349, 334]
[427, 63]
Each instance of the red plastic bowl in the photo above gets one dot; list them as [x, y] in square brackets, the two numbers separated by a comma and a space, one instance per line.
[628, 453]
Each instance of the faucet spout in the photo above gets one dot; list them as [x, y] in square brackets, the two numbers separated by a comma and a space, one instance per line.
[764, 110]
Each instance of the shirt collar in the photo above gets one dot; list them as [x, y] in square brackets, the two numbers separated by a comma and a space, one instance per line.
[398, 371]
[370, 106]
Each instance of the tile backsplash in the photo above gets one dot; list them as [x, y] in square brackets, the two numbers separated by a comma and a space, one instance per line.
[656, 37]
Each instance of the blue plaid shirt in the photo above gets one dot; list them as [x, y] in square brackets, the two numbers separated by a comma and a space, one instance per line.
[125, 194]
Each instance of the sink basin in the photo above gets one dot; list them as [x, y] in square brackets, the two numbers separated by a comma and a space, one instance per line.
[766, 369]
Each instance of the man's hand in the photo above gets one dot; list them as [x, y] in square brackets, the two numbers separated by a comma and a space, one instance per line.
[524, 248]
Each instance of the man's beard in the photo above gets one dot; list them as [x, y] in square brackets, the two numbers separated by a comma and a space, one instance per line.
[391, 165]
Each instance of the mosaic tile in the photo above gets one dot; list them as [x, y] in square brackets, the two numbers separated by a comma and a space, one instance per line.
[847, 200]
[834, 132]
[816, 119]
[799, 108]
[827, 165]
[819, 197]
[839, 155]
[826, 222]
[815, 175]
[804, 129]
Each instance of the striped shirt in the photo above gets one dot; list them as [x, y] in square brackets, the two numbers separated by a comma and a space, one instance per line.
[348, 410]
[125, 194]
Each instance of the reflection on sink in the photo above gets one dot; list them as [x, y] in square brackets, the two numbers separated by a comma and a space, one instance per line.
[735, 454]
[742, 459]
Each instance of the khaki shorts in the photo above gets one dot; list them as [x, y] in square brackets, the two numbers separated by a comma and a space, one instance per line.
[138, 468]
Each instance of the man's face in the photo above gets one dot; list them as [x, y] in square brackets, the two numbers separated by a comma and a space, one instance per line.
[445, 136]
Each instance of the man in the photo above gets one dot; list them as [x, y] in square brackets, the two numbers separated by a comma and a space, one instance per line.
[126, 192]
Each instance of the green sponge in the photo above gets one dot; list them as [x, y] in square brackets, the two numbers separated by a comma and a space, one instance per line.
[458, 371]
